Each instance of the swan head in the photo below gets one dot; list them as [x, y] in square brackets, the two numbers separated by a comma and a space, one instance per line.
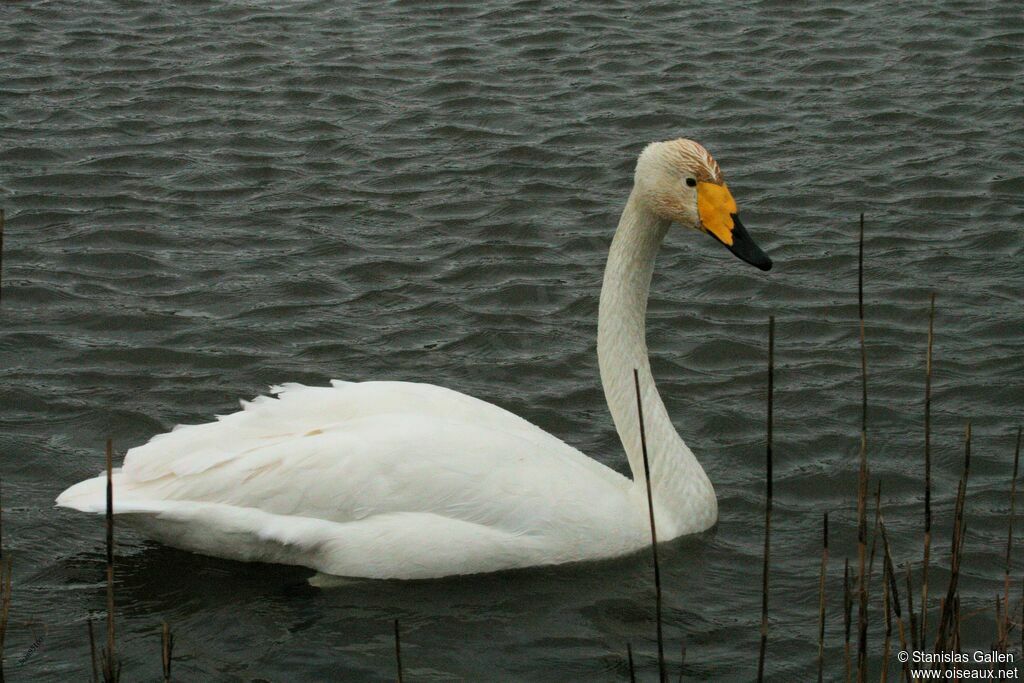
[680, 181]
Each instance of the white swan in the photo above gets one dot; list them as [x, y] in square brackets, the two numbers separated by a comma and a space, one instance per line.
[403, 480]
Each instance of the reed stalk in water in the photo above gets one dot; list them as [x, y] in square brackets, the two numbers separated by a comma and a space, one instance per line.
[887, 611]
[111, 667]
[768, 500]
[1005, 627]
[662, 671]
[1, 252]
[862, 479]
[914, 643]
[894, 594]
[927, 472]
[398, 653]
[166, 650]
[5, 585]
[821, 599]
[5, 607]
[92, 653]
[847, 617]
[946, 627]
[862, 587]
[874, 531]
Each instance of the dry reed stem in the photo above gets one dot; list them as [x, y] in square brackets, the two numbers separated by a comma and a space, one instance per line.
[662, 671]
[894, 592]
[999, 625]
[1005, 628]
[847, 615]
[5, 607]
[887, 641]
[887, 610]
[911, 614]
[874, 531]
[5, 571]
[629, 657]
[769, 475]
[398, 653]
[860, 270]
[92, 652]
[1, 252]
[871, 570]
[956, 624]
[946, 617]
[111, 667]
[862, 482]
[166, 650]
[862, 588]
[821, 599]
[5, 585]
[927, 472]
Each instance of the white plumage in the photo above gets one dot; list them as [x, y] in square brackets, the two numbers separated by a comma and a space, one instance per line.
[405, 480]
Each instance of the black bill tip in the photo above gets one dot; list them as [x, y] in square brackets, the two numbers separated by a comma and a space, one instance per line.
[745, 248]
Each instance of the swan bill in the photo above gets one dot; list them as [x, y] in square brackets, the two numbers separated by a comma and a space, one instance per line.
[718, 217]
[744, 246]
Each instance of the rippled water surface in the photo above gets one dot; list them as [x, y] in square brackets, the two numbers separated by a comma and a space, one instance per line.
[208, 199]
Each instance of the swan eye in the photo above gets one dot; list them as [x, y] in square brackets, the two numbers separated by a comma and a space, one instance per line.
[691, 182]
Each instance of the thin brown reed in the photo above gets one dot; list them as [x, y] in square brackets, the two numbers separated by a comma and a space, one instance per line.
[682, 660]
[956, 624]
[1, 252]
[821, 598]
[894, 594]
[860, 270]
[398, 653]
[5, 606]
[111, 667]
[863, 352]
[5, 572]
[847, 616]
[5, 597]
[1005, 628]
[629, 658]
[911, 614]
[945, 630]
[768, 500]
[887, 611]
[166, 650]
[92, 653]
[927, 472]
[662, 671]
[862, 587]
[862, 480]
[874, 531]
[999, 624]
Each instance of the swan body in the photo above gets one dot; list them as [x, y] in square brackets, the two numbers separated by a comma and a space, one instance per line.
[406, 480]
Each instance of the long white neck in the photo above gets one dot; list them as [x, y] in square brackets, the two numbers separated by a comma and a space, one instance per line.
[684, 498]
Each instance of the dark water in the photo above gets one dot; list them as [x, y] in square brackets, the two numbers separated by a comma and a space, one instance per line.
[205, 200]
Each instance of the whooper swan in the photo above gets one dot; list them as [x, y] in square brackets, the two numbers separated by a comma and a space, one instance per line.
[408, 481]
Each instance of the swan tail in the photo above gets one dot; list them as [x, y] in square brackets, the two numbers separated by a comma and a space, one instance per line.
[90, 495]
[220, 530]
[387, 546]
